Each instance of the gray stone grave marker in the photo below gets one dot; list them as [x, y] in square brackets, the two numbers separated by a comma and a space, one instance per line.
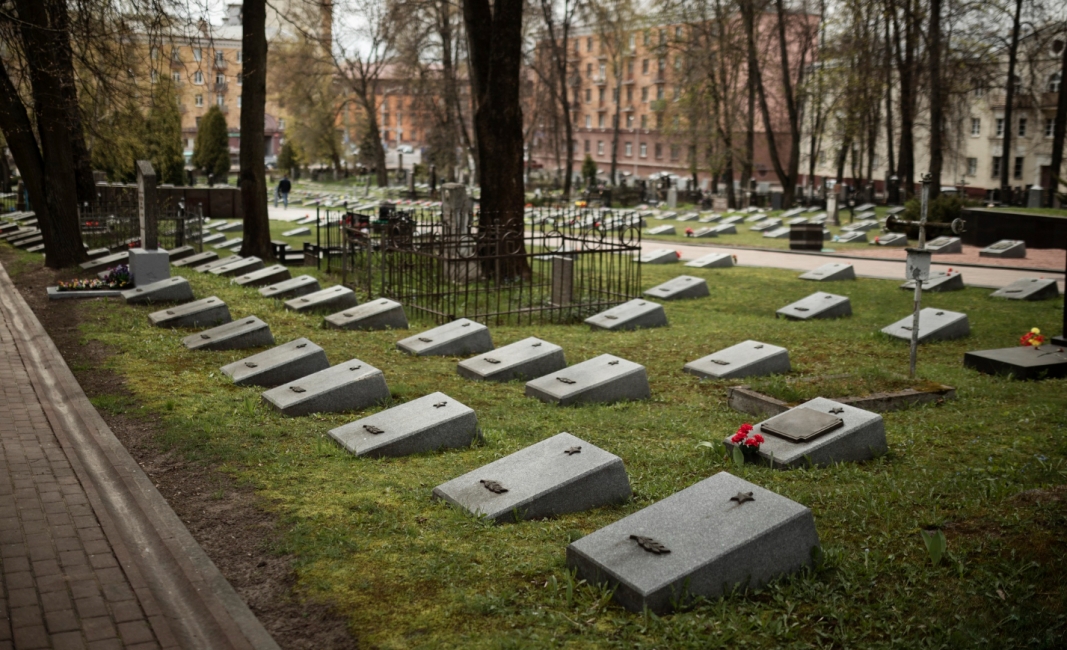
[329, 299]
[212, 238]
[232, 226]
[734, 220]
[239, 267]
[1028, 289]
[817, 305]
[831, 272]
[147, 205]
[945, 245]
[755, 218]
[461, 337]
[556, 476]
[230, 244]
[766, 224]
[777, 233]
[681, 287]
[278, 365]
[702, 233]
[891, 239]
[796, 220]
[269, 275]
[297, 232]
[746, 359]
[860, 226]
[866, 207]
[1011, 248]
[666, 215]
[298, 286]
[27, 242]
[192, 261]
[704, 541]
[603, 379]
[180, 253]
[349, 386]
[214, 264]
[939, 281]
[820, 432]
[709, 218]
[426, 424]
[174, 289]
[630, 315]
[712, 261]
[525, 359]
[106, 261]
[934, 325]
[662, 230]
[1021, 362]
[243, 333]
[658, 256]
[688, 216]
[39, 248]
[725, 229]
[205, 312]
[792, 212]
[852, 237]
[377, 314]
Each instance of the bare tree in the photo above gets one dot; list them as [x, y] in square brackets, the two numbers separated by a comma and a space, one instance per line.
[1009, 101]
[558, 30]
[1059, 128]
[253, 180]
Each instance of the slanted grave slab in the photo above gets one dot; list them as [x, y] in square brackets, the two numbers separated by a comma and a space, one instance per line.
[328, 299]
[945, 245]
[526, 359]
[268, 275]
[216, 263]
[195, 260]
[604, 379]
[734, 220]
[298, 286]
[934, 325]
[28, 242]
[689, 216]
[712, 261]
[860, 226]
[240, 267]
[831, 272]
[818, 305]
[703, 541]
[891, 239]
[658, 256]
[378, 314]
[278, 365]
[724, 229]
[766, 224]
[297, 232]
[461, 337]
[106, 262]
[212, 238]
[630, 315]
[180, 253]
[662, 230]
[777, 233]
[39, 248]
[709, 218]
[349, 386]
[939, 281]
[681, 287]
[1028, 289]
[248, 332]
[866, 207]
[852, 237]
[174, 289]
[1021, 362]
[701, 233]
[230, 244]
[232, 226]
[746, 359]
[1011, 248]
[556, 476]
[429, 423]
[206, 312]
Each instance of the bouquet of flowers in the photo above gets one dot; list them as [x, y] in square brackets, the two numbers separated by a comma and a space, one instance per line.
[1032, 338]
[743, 439]
[116, 278]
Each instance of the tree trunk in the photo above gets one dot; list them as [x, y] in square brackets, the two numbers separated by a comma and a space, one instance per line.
[750, 118]
[937, 101]
[1009, 100]
[1059, 131]
[615, 129]
[891, 169]
[253, 180]
[905, 53]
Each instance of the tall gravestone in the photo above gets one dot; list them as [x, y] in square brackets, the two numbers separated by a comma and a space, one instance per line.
[456, 220]
[148, 264]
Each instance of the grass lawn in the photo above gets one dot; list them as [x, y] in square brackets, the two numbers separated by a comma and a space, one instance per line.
[409, 572]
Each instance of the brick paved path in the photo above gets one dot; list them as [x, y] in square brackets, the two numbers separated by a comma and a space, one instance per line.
[62, 586]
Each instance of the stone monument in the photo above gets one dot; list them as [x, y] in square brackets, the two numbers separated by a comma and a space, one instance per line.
[148, 264]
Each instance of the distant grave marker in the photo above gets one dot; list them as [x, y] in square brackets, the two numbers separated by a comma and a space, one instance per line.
[831, 272]
[525, 359]
[199, 313]
[1028, 289]
[934, 325]
[426, 424]
[459, 338]
[603, 379]
[630, 315]
[746, 359]
[278, 365]
[248, 332]
[378, 314]
[348, 386]
[681, 287]
[817, 305]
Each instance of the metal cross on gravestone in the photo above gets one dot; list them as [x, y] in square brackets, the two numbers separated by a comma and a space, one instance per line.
[147, 205]
[918, 269]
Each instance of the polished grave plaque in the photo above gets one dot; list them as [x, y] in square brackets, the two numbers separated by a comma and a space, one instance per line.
[801, 424]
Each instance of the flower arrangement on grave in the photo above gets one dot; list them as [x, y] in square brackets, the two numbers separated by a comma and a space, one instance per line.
[735, 258]
[116, 278]
[678, 254]
[743, 439]
[688, 233]
[1032, 338]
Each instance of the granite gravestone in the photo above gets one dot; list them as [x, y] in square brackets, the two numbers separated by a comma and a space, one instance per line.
[297, 232]
[249, 332]
[459, 338]
[603, 379]
[348, 386]
[278, 365]
[553, 477]
[1023, 362]
[681, 287]
[232, 226]
[703, 233]
[630, 315]
[704, 541]
[170, 290]
[934, 325]
[860, 226]
[193, 261]
[1028, 289]
[746, 359]
[148, 264]
[329, 299]
[945, 245]
[106, 262]
[831, 272]
[891, 239]
[852, 237]
[213, 238]
[525, 359]
[662, 230]
[766, 224]
[712, 261]
[1011, 248]
[777, 233]
[180, 253]
[214, 264]
[230, 244]
[298, 286]
[731, 221]
[658, 256]
[817, 305]
[820, 432]
[240, 267]
[724, 229]
[796, 221]
[268, 275]
[378, 314]
[422, 425]
[709, 218]
[206, 312]
[939, 281]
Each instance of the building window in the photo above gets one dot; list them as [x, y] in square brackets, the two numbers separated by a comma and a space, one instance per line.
[661, 65]
[677, 63]
[602, 71]
[644, 66]
[600, 121]
[240, 78]
[633, 42]
[976, 126]
[1000, 127]
[587, 146]
[589, 44]
[1018, 175]
[629, 94]
[600, 147]
[629, 149]
[662, 37]
[644, 95]
[577, 47]
[644, 150]
[600, 95]
[197, 54]
[646, 38]
[588, 95]
[644, 121]
[281, 124]
[238, 101]
[979, 92]
[1054, 82]
[240, 56]
[659, 151]
[220, 100]
[1050, 127]
[176, 77]
[630, 68]
[972, 166]
[659, 92]
[995, 167]
[154, 76]
[198, 122]
[198, 77]
[220, 78]
[1022, 127]
[588, 70]
[630, 121]
[199, 100]
[588, 122]
[676, 152]
[220, 57]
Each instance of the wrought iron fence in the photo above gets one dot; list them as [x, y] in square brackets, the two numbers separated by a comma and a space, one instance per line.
[113, 221]
[547, 265]
[8, 202]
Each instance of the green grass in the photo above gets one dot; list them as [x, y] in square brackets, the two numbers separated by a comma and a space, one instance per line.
[410, 572]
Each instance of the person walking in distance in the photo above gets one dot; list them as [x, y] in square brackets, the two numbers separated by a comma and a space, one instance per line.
[283, 191]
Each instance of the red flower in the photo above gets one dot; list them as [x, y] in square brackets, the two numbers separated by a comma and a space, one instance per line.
[758, 438]
[746, 427]
[679, 253]
[751, 442]
[737, 437]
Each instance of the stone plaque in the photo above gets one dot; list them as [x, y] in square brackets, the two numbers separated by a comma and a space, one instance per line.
[658, 256]
[1048, 361]
[278, 365]
[934, 325]
[175, 289]
[710, 218]
[230, 244]
[378, 314]
[1011, 248]
[766, 224]
[348, 386]
[860, 226]
[426, 424]
[703, 233]
[1029, 289]
[269, 275]
[731, 221]
[712, 261]
[855, 237]
[553, 477]
[777, 233]
[939, 281]
[329, 299]
[891, 239]
[801, 424]
[192, 261]
[630, 315]
[831, 272]
[704, 541]
[240, 267]
[662, 230]
[681, 287]
[724, 229]
[147, 205]
[746, 359]
[688, 216]
[206, 312]
[298, 286]
[817, 305]
[459, 338]
[241, 334]
[213, 238]
[525, 359]
[603, 379]
[945, 245]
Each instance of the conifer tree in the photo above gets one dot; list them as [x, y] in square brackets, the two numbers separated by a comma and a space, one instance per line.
[164, 135]
[211, 151]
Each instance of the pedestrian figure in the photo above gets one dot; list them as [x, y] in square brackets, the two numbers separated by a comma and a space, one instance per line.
[283, 191]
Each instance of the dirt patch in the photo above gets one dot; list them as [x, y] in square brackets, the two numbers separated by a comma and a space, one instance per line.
[226, 519]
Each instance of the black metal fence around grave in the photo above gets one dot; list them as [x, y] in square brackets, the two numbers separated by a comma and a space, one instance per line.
[547, 265]
[113, 221]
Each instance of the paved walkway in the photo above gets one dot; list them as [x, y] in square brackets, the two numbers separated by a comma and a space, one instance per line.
[91, 556]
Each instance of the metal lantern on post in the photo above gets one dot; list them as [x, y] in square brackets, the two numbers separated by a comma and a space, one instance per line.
[918, 270]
